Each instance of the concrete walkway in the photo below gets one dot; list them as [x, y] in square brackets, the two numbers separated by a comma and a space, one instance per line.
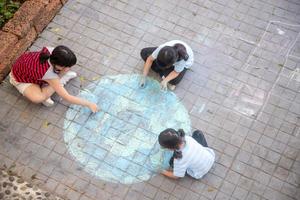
[243, 92]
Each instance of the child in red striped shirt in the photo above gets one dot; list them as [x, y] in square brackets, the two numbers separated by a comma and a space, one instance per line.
[37, 75]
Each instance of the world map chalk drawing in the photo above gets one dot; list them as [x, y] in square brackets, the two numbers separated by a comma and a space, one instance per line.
[119, 143]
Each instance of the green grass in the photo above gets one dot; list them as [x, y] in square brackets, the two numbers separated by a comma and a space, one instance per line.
[8, 9]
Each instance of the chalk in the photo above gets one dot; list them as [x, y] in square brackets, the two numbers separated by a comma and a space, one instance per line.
[118, 141]
[201, 108]
[279, 31]
[281, 69]
[247, 41]
[86, 90]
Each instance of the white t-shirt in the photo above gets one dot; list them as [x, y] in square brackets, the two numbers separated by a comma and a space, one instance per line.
[180, 65]
[196, 160]
[50, 73]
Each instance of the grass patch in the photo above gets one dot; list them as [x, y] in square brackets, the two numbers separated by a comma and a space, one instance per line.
[8, 9]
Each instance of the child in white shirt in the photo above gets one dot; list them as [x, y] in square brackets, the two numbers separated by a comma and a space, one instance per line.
[170, 60]
[191, 154]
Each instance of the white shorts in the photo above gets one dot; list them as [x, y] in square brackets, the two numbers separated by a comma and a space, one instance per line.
[21, 87]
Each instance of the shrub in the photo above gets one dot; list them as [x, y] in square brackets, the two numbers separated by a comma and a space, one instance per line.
[7, 9]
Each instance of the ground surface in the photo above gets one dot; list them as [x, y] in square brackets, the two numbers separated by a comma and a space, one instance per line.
[243, 92]
[13, 187]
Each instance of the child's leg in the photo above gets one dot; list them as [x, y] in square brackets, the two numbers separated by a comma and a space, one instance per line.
[167, 71]
[21, 87]
[36, 94]
[176, 80]
[146, 52]
[33, 92]
[199, 137]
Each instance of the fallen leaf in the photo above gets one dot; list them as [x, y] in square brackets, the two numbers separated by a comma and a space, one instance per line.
[96, 78]
[46, 124]
[210, 189]
[33, 177]
[56, 30]
[82, 78]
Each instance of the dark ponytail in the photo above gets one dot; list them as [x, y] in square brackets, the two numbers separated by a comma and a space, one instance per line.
[181, 51]
[61, 55]
[44, 55]
[172, 139]
[181, 133]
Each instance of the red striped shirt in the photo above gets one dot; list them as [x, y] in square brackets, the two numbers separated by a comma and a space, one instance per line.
[28, 69]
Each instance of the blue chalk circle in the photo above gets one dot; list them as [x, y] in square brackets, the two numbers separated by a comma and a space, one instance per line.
[119, 143]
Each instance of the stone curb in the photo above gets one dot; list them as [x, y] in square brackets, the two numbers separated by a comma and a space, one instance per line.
[21, 31]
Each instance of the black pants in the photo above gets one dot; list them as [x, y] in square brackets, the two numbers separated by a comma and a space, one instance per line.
[199, 137]
[146, 52]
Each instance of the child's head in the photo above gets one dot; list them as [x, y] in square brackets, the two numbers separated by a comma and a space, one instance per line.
[61, 57]
[168, 55]
[172, 139]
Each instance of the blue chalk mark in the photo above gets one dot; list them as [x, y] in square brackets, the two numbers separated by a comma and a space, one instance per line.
[119, 143]
[122, 163]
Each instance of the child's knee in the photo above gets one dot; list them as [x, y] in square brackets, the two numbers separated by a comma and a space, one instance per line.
[144, 54]
[37, 98]
[197, 132]
[174, 82]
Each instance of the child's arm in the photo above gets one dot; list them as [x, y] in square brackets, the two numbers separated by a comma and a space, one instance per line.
[61, 91]
[169, 174]
[146, 69]
[147, 65]
[170, 77]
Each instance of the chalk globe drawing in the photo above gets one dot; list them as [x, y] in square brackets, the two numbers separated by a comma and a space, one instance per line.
[119, 143]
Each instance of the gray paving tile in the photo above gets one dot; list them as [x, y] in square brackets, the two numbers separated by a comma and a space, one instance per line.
[249, 113]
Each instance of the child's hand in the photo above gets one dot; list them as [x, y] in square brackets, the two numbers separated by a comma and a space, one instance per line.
[142, 83]
[164, 85]
[94, 108]
[162, 171]
[169, 174]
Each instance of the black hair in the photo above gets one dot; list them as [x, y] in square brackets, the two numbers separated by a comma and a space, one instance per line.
[61, 55]
[171, 139]
[181, 51]
[44, 55]
[167, 56]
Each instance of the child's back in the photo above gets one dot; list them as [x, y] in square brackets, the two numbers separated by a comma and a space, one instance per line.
[196, 160]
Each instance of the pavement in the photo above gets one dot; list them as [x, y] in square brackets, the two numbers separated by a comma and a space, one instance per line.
[242, 91]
